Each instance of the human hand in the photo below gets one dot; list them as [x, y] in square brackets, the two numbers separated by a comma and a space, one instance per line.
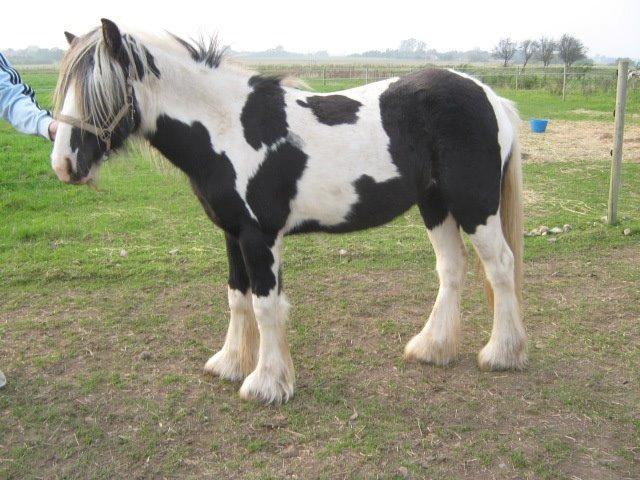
[53, 129]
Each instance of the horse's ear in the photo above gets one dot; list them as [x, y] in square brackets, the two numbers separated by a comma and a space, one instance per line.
[112, 37]
[70, 37]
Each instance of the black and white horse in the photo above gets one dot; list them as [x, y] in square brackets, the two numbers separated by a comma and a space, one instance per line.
[267, 160]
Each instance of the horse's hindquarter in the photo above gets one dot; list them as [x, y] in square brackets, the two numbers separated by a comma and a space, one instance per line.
[350, 180]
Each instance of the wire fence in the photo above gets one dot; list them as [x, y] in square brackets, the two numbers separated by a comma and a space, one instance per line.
[552, 79]
[577, 80]
[590, 99]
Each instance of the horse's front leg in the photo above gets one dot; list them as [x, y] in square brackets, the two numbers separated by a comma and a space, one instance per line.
[273, 379]
[237, 358]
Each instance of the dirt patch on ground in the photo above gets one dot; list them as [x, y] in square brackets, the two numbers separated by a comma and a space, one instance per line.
[577, 140]
[82, 402]
[598, 113]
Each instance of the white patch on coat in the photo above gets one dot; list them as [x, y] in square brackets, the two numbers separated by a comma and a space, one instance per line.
[439, 339]
[238, 357]
[338, 155]
[507, 346]
[62, 146]
[273, 379]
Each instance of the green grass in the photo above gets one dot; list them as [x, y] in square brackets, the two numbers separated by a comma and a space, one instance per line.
[75, 316]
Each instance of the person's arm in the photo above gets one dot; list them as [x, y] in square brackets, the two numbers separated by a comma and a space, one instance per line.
[18, 104]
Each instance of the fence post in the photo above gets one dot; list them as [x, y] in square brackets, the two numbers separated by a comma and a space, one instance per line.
[564, 81]
[517, 75]
[324, 76]
[616, 161]
[366, 74]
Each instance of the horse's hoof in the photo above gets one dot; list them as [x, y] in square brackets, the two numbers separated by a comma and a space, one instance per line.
[424, 348]
[503, 356]
[228, 366]
[265, 388]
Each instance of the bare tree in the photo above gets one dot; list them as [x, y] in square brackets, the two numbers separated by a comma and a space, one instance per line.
[571, 50]
[408, 45]
[505, 50]
[547, 47]
[412, 48]
[529, 49]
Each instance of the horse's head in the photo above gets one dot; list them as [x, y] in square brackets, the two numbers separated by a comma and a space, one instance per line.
[94, 100]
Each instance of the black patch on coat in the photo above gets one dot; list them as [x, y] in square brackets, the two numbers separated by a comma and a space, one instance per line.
[256, 251]
[333, 109]
[90, 150]
[238, 277]
[213, 177]
[263, 117]
[378, 203]
[189, 148]
[432, 206]
[443, 132]
[271, 189]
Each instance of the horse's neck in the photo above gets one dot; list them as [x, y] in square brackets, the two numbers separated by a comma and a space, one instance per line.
[192, 115]
[194, 93]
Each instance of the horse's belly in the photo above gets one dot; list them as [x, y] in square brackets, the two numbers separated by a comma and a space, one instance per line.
[344, 207]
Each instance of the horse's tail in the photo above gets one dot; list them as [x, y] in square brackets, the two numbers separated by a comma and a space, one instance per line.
[511, 210]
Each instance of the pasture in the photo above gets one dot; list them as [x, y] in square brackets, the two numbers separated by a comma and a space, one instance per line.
[112, 300]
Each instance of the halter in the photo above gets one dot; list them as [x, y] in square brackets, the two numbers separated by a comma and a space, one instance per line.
[105, 133]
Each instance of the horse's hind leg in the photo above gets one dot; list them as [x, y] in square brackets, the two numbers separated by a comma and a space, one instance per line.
[238, 356]
[507, 346]
[438, 341]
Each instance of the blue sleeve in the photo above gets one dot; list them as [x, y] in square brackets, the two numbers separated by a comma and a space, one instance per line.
[18, 104]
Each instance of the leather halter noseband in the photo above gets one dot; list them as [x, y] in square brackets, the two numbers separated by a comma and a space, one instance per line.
[105, 133]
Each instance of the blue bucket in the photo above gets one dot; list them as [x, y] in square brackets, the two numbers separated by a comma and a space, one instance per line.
[538, 125]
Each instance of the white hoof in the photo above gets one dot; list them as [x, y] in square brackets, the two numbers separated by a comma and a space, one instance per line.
[230, 365]
[261, 386]
[425, 348]
[503, 355]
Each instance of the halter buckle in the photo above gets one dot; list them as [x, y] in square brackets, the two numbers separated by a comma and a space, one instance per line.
[105, 135]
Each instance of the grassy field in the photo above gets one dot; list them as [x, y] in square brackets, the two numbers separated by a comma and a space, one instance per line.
[111, 302]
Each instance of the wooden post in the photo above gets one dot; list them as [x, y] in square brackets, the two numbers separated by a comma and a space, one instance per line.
[517, 75]
[324, 75]
[366, 74]
[564, 81]
[616, 161]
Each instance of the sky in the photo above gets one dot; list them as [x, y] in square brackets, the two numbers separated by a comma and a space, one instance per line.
[607, 27]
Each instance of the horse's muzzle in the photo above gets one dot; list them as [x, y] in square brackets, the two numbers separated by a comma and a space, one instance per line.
[64, 171]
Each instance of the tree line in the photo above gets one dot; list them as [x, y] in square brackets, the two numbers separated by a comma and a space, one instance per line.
[568, 49]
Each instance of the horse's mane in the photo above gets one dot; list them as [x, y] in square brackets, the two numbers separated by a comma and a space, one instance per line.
[204, 50]
[99, 87]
